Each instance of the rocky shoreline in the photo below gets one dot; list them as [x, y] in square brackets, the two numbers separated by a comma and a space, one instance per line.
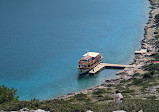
[139, 60]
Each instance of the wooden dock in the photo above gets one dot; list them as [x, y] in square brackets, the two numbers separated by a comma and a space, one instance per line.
[101, 66]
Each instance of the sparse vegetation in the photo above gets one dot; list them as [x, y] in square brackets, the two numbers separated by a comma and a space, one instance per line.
[157, 37]
[128, 91]
[81, 97]
[152, 67]
[148, 75]
[99, 91]
[152, 97]
[157, 19]
[136, 74]
[137, 81]
[64, 106]
[156, 56]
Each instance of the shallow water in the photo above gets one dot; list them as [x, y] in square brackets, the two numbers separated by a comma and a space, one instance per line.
[42, 41]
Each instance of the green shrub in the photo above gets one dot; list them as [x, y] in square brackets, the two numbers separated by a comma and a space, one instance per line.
[82, 97]
[157, 37]
[34, 103]
[136, 74]
[123, 81]
[99, 91]
[152, 97]
[128, 91]
[148, 75]
[156, 56]
[110, 85]
[137, 81]
[105, 98]
[7, 95]
[152, 67]
[157, 18]
[109, 89]
[119, 87]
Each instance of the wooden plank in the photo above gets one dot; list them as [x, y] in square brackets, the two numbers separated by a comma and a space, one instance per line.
[107, 65]
[97, 68]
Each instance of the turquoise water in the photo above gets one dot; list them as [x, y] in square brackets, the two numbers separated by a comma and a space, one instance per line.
[41, 42]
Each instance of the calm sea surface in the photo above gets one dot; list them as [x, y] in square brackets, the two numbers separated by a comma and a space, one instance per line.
[41, 42]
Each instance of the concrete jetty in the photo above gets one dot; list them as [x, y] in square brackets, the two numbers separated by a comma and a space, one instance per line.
[101, 66]
[142, 51]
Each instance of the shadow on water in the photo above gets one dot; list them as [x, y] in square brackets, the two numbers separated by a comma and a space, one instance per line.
[86, 76]
[115, 68]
